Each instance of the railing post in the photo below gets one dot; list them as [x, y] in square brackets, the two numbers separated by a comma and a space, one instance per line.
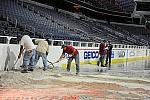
[34, 31]
[51, 36]
[16, 23]
[7, 18]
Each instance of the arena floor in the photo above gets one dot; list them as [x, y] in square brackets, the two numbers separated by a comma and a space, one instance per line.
[127, 81]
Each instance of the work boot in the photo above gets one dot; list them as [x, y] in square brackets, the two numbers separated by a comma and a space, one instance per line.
[44, 69]
[30, 70]
[77, 73]
[21, 66]
[24, 71]
[68, 70]
[103, 66]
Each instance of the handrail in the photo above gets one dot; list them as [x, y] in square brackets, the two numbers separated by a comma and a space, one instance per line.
[86, 43]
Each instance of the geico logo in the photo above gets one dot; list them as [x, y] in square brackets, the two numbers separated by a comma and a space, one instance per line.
[90, 54]
[132, 53]
[121, 53]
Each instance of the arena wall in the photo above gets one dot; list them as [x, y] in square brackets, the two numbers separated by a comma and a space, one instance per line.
[88, 55]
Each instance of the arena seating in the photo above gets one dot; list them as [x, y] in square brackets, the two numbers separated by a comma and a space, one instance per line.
[147, 17]
[136, 32]
[126, 6]
[42, 22]
[28, 18]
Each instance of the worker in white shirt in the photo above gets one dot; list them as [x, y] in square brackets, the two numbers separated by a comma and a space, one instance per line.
[29, 55]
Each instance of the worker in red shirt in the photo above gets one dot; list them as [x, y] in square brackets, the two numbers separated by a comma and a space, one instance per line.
[74, 55]
[102, 53]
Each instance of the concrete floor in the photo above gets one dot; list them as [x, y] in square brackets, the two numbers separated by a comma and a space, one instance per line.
[127, 81]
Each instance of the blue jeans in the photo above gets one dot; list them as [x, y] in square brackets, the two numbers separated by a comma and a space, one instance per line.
[76, 61]
[44, 58]
[28, 59]
[101, 60]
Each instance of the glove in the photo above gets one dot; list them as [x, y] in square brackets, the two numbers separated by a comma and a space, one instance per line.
[19, 56]
[71, 57]
[46, 53]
